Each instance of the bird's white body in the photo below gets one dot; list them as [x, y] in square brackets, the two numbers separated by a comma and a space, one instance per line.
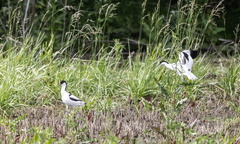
[183, 66]
[69, 99]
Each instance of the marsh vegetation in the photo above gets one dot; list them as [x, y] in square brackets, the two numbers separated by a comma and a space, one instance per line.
[129, 98]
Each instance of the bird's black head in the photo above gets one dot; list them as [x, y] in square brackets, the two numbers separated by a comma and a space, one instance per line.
[162, 61]
[62, 82]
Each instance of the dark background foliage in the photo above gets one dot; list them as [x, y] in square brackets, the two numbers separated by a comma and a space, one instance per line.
[18, 18]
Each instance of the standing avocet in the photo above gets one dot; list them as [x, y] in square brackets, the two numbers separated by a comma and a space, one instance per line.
[184, 64]
[69, 99]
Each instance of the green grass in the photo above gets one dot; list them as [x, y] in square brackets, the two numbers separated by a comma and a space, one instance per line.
[129, 100]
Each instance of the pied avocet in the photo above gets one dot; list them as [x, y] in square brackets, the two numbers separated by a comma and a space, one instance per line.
[184, 64]
[69, 99]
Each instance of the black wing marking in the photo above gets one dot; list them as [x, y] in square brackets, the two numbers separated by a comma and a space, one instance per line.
[73, 98]
[184, 61]
[185, 56]
[193, 54]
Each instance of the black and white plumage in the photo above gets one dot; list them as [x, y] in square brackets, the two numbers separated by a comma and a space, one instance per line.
[69, 99]
[184, 64]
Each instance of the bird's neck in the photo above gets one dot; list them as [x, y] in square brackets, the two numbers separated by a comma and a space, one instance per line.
[63, 89]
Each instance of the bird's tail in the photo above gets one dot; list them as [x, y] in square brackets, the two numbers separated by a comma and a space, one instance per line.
[191, 76]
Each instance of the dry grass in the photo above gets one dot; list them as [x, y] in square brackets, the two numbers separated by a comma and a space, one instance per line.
[206, 116]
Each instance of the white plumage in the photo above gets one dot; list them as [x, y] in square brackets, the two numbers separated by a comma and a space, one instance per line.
[69, 99]
[184, 64]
